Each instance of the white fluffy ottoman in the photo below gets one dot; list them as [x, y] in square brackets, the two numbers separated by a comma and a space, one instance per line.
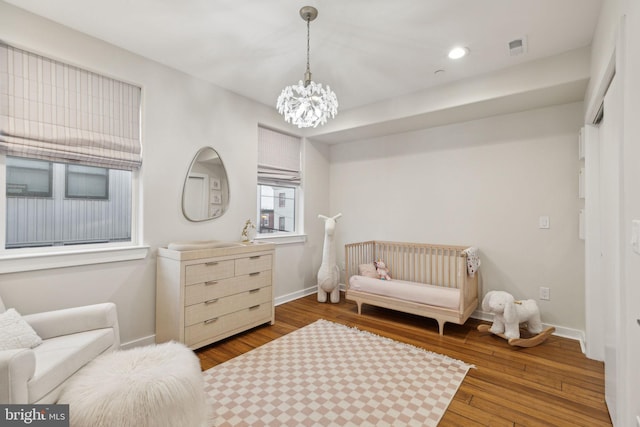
[154, 386]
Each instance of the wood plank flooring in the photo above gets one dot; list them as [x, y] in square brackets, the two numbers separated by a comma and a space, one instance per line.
[552, 384]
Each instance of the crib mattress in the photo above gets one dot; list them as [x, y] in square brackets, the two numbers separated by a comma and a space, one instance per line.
[408, 291]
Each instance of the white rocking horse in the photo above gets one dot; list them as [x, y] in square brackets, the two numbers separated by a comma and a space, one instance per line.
[329, 273]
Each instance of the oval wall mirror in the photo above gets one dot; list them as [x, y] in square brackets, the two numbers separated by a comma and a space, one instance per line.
[205, 194]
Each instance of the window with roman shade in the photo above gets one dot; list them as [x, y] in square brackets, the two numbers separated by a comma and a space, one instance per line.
[57, 112]
[279, 179]
[71, 143]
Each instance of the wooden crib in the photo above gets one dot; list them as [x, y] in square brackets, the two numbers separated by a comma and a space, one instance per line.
[437, 265]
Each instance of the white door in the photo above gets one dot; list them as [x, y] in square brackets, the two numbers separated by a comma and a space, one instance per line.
[632, 207]
[610, 231]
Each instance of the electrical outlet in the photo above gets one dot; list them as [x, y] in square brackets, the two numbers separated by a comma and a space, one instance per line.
[545, 293]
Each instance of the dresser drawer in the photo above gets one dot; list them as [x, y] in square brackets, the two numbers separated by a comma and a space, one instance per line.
[207, 271]
[212, 289]
[220, 306]
[253, 264]
[211, 328]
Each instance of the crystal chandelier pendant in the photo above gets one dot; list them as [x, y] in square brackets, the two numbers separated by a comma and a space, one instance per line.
[307, 104]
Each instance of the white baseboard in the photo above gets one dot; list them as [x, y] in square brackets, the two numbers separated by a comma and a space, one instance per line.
[295, 295]
[140, 342]
[561, 331]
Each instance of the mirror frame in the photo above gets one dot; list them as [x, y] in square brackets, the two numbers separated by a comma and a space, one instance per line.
[225, 205]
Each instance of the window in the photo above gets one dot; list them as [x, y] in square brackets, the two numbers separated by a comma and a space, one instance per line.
[28, 177]
[272, 213]
[278, 182]
[70, 143]
[86, 182]
[84, 204]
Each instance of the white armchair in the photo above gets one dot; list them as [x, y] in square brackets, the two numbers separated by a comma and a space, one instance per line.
[71, 338]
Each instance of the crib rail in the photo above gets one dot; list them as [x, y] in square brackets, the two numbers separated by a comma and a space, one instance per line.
[440, 265]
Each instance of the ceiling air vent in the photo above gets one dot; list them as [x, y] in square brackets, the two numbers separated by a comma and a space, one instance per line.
[518, 47]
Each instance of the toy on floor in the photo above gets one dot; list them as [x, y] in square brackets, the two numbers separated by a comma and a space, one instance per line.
[508, 314]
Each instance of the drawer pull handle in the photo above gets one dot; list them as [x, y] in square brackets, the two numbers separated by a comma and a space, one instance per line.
[211, 301]
[210, 282]
[254, 257]
[254, 307]
[208, 322]
[211, 263]
[253, 291]
[254, 273]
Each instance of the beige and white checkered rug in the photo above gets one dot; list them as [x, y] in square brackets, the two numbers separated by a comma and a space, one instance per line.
[327, 374]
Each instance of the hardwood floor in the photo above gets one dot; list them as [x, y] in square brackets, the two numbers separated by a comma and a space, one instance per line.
[552, 384]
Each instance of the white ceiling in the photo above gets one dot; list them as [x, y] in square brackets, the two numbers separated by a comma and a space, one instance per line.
[366, 50]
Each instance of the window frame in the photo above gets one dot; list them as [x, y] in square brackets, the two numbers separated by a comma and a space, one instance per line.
[285, 237]
[277, 231]
[34, 194]
[86, 197]
[42, 258]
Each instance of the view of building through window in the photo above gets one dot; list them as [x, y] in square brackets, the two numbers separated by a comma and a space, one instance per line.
[54, 204]
[277, 208]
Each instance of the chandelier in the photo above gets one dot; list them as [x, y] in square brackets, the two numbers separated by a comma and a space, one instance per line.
[307, 104]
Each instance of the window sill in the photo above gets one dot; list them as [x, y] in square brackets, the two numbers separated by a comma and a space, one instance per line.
[15, 263]
[282, 239]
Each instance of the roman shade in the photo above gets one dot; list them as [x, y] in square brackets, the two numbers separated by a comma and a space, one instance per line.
[57, 112]
[278, 158]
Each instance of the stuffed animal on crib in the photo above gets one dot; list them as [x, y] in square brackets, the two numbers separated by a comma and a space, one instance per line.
[508, 314]
[382, 270]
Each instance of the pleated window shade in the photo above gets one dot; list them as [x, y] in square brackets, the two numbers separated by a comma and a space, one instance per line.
[57, 112]
[278, 158]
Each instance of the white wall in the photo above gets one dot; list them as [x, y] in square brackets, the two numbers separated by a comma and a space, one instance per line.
[180, 114]
[481, 183]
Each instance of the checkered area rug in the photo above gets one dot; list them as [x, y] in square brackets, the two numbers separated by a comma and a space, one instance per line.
[327, 374]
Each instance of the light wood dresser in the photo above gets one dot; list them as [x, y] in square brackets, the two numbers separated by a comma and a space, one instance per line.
[205, 295]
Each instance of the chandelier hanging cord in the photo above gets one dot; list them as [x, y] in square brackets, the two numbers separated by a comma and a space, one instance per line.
[308, 14]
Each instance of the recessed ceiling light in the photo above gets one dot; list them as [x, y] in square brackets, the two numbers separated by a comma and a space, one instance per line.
[458, 52]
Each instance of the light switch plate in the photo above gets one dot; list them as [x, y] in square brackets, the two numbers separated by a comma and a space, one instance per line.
[543, 222]
[635, 235]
